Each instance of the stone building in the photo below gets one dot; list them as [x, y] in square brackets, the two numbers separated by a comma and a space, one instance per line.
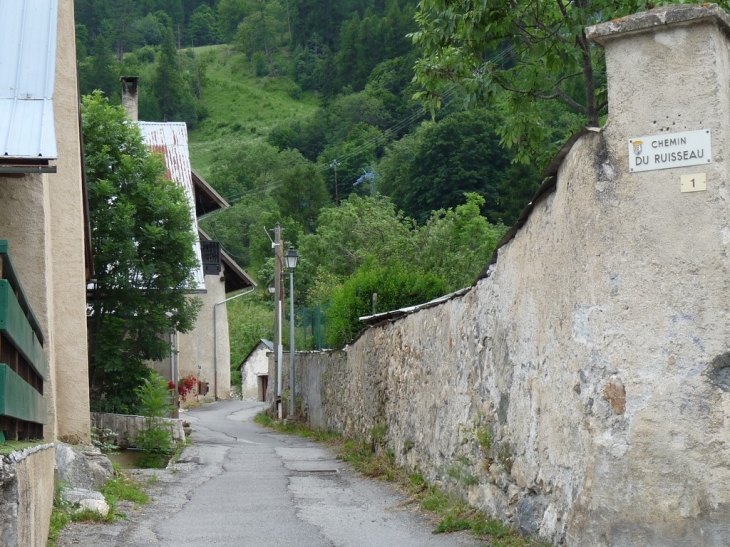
[205, 351]
[255, 372]
[44, 259]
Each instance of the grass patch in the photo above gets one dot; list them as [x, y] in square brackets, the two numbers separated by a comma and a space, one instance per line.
[8, 447]
[451, 513]
[123, 487]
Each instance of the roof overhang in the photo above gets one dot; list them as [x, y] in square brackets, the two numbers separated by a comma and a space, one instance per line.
[236, 278]
[207, 199]
[27, 72]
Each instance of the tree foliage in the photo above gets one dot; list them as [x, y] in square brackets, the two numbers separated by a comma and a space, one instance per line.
[142, 243]
[525, 50]
[385, 252]
[260, 29]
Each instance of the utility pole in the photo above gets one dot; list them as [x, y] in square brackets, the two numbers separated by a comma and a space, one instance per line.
[335, 164]
[279, 310]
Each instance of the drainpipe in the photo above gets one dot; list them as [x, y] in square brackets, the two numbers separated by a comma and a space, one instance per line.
[215, 338]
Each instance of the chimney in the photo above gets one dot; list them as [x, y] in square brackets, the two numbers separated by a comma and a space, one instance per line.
[130, 100]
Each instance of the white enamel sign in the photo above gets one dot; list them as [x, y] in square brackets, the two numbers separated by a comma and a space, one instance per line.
[670, 150]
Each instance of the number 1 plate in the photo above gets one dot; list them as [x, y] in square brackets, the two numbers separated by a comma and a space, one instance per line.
[694, 183]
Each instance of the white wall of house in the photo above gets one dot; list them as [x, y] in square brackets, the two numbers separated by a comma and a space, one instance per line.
[255, 366]
[197, 353]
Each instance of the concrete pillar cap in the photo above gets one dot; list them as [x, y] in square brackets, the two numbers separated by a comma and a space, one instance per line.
[658, 17]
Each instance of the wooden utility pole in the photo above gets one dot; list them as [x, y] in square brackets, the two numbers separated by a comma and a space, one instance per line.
[278, 311]
[335, 164]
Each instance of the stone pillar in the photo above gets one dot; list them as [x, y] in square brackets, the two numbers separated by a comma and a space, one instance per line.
[658, 472]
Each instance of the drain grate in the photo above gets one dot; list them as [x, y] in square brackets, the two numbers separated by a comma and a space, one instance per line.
[316, 471]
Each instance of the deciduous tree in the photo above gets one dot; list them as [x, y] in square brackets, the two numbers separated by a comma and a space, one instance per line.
[530, 49]
[142, 243]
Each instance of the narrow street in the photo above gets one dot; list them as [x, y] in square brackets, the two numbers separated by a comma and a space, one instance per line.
[241, 485]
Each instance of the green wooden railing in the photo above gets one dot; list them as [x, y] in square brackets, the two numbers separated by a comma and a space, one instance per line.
[22, 361]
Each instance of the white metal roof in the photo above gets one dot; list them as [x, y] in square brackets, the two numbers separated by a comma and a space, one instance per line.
[171, 140]
[27, 70]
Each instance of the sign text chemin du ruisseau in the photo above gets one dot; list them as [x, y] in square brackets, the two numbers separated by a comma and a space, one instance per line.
[670, 150]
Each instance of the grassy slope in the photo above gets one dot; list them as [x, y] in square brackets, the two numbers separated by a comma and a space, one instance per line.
[241, 106]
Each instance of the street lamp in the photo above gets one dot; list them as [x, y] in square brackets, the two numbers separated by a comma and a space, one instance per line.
[290, 260]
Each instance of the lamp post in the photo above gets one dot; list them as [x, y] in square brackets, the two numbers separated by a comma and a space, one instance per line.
[290, 259]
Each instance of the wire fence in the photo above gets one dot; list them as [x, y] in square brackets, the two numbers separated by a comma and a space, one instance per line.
[311, 327]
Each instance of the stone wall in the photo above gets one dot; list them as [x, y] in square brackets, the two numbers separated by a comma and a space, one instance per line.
[26, 496]
[126, 428]
[580, 390]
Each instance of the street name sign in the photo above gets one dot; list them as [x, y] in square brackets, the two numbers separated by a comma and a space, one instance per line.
[670, 150]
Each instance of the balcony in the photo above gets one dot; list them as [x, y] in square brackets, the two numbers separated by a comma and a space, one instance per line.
[22, 361]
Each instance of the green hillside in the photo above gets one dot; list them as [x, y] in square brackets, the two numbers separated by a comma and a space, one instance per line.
[241, 107]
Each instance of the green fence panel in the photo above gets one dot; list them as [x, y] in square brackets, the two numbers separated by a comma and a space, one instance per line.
[16, 327]
[11, 275]
[18, 399]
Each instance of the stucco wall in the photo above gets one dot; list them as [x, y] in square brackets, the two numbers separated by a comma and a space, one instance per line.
[41, 216]
[26, 496]
[585, 380]
[197, 347]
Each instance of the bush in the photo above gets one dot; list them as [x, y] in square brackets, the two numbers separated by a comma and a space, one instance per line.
[396, 288]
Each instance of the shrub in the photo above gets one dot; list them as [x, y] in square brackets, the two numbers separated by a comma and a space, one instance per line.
[156, 439]
[396, 288]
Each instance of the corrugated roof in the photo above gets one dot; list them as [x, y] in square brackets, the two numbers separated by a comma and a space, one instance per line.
[171, 140]
[394, 315]
[27, 70]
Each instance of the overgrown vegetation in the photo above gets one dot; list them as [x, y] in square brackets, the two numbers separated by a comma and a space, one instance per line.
[121, 487]
[451, 514]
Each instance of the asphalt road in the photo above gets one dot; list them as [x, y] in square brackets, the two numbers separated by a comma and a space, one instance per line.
[240, 485]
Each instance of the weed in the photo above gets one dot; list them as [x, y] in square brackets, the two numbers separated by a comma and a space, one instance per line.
[119, 488]
[124, 488]
[452, 523]
[407, 446]
[379, 432]
[417, 482]
[483, 434]
[470, 479]
[11, 446]
[104, 439]
[505, 456]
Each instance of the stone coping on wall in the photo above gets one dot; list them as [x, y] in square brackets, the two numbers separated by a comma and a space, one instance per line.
[17, 456]
[662, 16]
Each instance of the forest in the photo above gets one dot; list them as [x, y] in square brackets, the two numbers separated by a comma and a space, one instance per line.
[395, 141]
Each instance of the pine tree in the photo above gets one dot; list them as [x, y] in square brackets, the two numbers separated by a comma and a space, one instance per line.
[167, 82]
